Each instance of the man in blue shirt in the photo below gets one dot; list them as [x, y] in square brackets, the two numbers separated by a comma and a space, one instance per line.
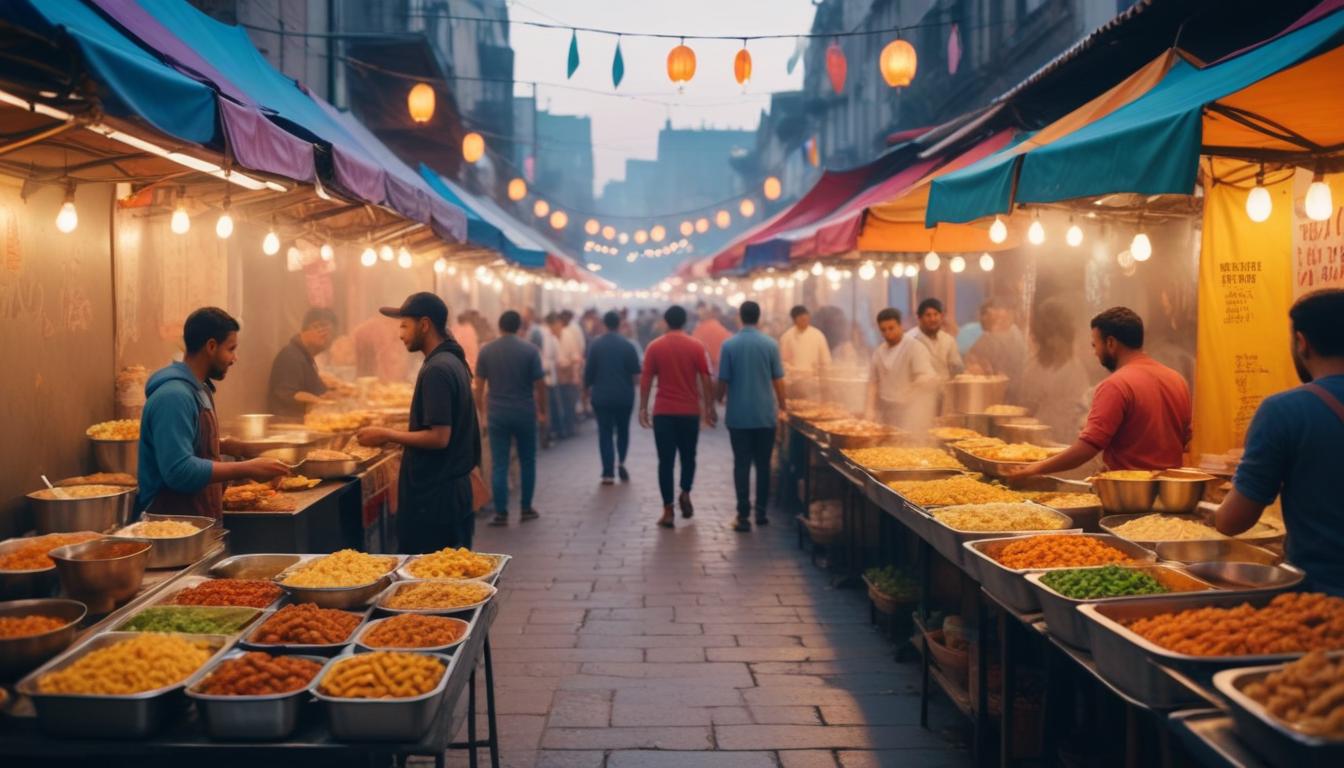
[751, 377]
[609, 377]
[1293, 449]
[511, 398]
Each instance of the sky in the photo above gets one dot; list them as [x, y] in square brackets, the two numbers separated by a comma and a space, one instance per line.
[627, 126]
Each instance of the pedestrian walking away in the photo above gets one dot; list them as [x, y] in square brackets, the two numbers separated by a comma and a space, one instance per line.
[609, 376]
[751, 380]
[680, 365]
[510, 391]
[443, 444]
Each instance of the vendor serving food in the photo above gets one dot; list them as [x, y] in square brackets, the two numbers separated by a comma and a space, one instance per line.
[295, 383]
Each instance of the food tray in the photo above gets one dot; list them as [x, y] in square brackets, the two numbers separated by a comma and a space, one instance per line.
[381, 603]
[310, 649]
[344, 598]
[246, 617]
[895, 505]
[288, 447]
[840, 442]
[385, 719]
[165, 598]
[500, 562]
[1216, 550]
[130, 716]
[1061, 612]
[361, 647]
[949, 541]
[18, 655]
[252, 718]
[1008, 585]
[1265, 733]
[37, 582]
[261, 566]
[1247, 576]
[1130, 660]
[328, 469]
[178, 551]
[1110, 522]
[988, 467]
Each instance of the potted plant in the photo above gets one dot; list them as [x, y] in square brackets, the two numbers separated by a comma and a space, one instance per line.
[890, 589]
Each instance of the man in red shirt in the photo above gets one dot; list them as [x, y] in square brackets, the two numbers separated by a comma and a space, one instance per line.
[680, 364]
[710, 332]
[1140, 417]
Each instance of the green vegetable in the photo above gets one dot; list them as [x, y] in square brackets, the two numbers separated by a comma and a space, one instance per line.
[892, 582]
[1106, 581]
[192, 620]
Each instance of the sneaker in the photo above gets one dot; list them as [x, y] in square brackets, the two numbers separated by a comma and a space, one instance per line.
[743, 525]
[528, 514]
[608, 481]
[685, 501]
[499, 521]
[625, 476]
[666, 521]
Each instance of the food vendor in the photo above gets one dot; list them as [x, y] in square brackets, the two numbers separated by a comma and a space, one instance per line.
[1292, 449]
[180, 471]
[806, 355]
[1140, 416]
[295, 383]
[942, 345]
[443, 444]
[903, 380]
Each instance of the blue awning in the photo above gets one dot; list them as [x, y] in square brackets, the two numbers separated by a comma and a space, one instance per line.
[488, 227]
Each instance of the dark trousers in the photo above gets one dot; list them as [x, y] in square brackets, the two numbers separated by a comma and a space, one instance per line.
[429, 519]
[506, 429]
[613, 434]
[752, 447]
[569, 401]
[673, 435]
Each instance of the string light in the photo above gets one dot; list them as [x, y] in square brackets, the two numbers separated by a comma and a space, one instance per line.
[1319, 205]
[1258, 203]
[747, 208]
[772, 189]
[420, 103]
[559, 220]
[369, 257]
[641, 236]
[911, 270]
[817, 269]
[540, 209]
[473, 147]
[686, 228]
[270, 244]
[326, 252]
[1141, 248]
[957, 264]
[1036, 232]
[68, 218]
[608, 232]
[623, 238]
[180, 222]
[998, 231]
[591, 226]
[440, 266]
[702, 225]
[986, 262]
[657, 233]
[386, 253]
[517, 190]
[1074, 237]
[932, 261]
[723, 219]
[404, 259]
[867, 272]
[224, 224]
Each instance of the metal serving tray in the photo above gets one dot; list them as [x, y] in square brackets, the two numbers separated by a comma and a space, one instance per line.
[1131, 661]
[263, 566]
[130, 716]
[1216, 550]
[288, 447]
[310, 649]
[186, 582]
[1061, 612]
[344, 598]
[991, 467]
[405, 574]
[177, 551]
[447, 648]
[1009, 586]
[381, 603]
[37, 582]
[328, 469]
[1110, 522]
[246, 617]
[949, 542]
[895, 505]
[1268, 735]
[252, 718]
[840, 441]
[384, 719]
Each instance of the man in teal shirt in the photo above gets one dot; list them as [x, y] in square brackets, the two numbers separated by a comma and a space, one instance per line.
[751, 378]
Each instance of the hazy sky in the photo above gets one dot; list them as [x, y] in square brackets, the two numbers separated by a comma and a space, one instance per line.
[628, 127]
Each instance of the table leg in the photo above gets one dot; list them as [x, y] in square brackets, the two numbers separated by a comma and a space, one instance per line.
[491, 726]
[1008, 666]
[471, 720]
[981, 678]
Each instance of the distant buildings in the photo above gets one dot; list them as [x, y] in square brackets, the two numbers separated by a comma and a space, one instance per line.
[694, 168]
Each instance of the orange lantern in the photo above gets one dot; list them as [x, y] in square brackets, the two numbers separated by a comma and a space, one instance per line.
[681, 64]
[898, 63]
[742, 66]
[559, 220]
[836, 66]
[473, 147]
[772, 188]
[541, 208]
[641, 236]
[420, 102]
[517, 190]
[608, 232]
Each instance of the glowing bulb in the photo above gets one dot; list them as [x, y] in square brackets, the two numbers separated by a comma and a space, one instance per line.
[404, 259]
[369, 257]
[181, 222]
[591, 226]
[799, 275]
[440, 266]
[867, 271]
[747, 208]
[67, 218]
[657, 233]
[932, 261]
[1074, 237]
[1141, 248]
[986, 262]
[386, 253]
[1318, 203]
[957, 264]
[541, 208]
[771, 188]
[517, 189]
[623, 238]
[1036, 233]
[998, 231]
[327, 252]
[559, 220]
[702, 225]
[723, 219]
[641, 237]
[224, 226]
[1125, 259]
[912, 269]
[686, 228]
[1258, 204]
[608, 232]
[270, 244]
[817, 269]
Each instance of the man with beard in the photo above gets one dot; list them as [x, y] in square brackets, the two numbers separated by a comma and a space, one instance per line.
[180, 469]
[295, 383]
[1140, 417]
[1292, 448]
[443, 444]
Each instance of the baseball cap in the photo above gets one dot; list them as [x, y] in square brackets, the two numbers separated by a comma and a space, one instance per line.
[422, 304]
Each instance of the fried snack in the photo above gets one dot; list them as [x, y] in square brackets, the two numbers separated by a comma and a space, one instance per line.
[1295, 622]
[277, 503]
[1106, 581]
[32, 554]
[886, 457]
[120, 429]
[1128, 474]
[142, 663]
[246, 496]
[382, 675]
[1006, 410]
[100, 478]
[29, 625]
[449, 563]
[1059, 500]
[343, 568]
[244, 593]
[431, 595]
[413, 630]
[298, 483]
[1021, 452]
[973, 444]
[954, 433]
[326, 454]
[1059, 551]
[78, 492]
[257, 673]
[160, 529]
[964, 489]
[998, 517]
[189, 620]
[306, 624]
[1158, 527]
[854, 428]
[1307, 694]
[339, 422]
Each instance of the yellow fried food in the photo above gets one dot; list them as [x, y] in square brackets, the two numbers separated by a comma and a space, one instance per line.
[854, 428]
[1128, 474]
[344, 568]
[449, 563]
[382, 675]
[1006, 410]
[142, 663]
[1307, 694]
[1057, 500]
[160, 529]
[120, 429]
[79, 492]
[890, 457]
[1159, 527]
[954, 433]
[963, 489]
[437, 594]
[1014, 452]
[998, 517]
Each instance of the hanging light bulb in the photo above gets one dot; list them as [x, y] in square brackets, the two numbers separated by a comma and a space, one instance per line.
[1141, 248]
[742, 66]
[702, 225]
[540, 209]
[998, 231]
[1125, 259]
[799, 275]
[723, 219]
[817, 269]
[369, 257]
[385, 253]
[608, 232]
[686, 228]
[1318, 204]
[747, 208]
[559, 220]
[772, 189]
[986, 262]
[932, 261]
[623, 238]
[180, 223]
[473, 147]
[420, 102]
[1036, 232]
[270, 244]
[912, 269]
[957, 264]
[224, 224]
[641, 236]
[868, 271]
[440, 266]
[517, 189]
[1074, 237]
[326, 252]
[67, 218]
[657, 233]
[681, 64]
[591, 226]
[404, 259]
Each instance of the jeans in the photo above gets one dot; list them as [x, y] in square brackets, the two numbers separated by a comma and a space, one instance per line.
[673, 435]
[555, 411]
[613, 425]
[569, 402]
[505, 428]
[752, 447]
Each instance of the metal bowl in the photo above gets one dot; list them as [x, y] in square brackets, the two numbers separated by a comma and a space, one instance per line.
[1230, 575]
[965, 394]
[103, 572]
[252, 426]
[1123, 497]
[1221, 550]
[326, 469]
[1180, 491]
[20, 655]
[176, 551]
[116, 455]
[94, 513]
[356, 596]
[262, 566]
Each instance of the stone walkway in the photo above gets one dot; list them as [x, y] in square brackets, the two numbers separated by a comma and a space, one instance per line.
[621, 644]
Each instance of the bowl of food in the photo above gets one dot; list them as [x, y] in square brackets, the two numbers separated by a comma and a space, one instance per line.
[81, 508]
[360, 708]
[326, 463]
[413, 632]
[32, 631]
[343, 579]
[1181, 490]
[252, 426]
[104, 572]
[179, 540]
[26, 570]
[252, 695]
[1126, 491]
[435, 596]
[116, 445]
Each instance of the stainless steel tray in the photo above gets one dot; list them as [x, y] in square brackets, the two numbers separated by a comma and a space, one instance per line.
[310, 649]
[245, 617]
[990, 467]
[327, 469]
[1110, 522]
[362, 647]
[344, 598]
[949, 541]
[187, 582]
[1216, 550]
[1247, 576]
[130, 716]
[252, 718]
[1009, 586]
[288, 447]
[177, 551]
[1268, 735]
[840, 441]
[404, 572]
[1061, 612]
[260, 566]
[384, 719]
[381, 603]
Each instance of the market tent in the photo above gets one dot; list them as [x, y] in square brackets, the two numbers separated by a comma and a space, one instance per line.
[486, 227]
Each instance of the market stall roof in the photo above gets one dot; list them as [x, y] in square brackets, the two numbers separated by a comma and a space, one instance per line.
[487, 226]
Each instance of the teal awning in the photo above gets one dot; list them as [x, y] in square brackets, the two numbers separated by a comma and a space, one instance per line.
[488, 227]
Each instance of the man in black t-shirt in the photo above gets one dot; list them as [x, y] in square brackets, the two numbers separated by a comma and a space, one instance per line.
[443, 444]
[295, 383]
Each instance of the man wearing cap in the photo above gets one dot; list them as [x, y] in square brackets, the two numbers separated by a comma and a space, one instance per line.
[443, 444]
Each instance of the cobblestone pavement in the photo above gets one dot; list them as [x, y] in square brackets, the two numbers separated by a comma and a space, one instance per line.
[620, 644]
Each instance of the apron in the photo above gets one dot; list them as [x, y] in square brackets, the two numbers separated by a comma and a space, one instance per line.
[209, 501]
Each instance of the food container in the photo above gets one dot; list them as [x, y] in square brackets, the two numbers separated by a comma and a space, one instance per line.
[895, 505]
[167, 596]
[1110, 522]
[244, 618]
[264, 566]
[21, 584]
[1009, 586]
[384, 719]
[1266, 734]
[1061, 611]
[289, 447]
[252, 426]
[311, 649]
[362, 647]
[1220, 550]
[840, 442]
[128, 716]
[501, 561]
[1125, 497]
[948, 541]
[1088, 518]
[96, 574]
[1026, 430]
[973, 394]
[1181, 490]
[991, 467]
[1243, 576]
[177, 551]
[93, 513]
[116, 455]
[252, 718]
[343, 598]
[397, 586]
[327, 469]
[18, 655]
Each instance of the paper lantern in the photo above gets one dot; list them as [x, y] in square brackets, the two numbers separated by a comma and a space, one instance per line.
[473, 147]
[772, 188]
[742, 67]
[540, 209]
[747, 208]
[836, 66]
[517, 190]
[898, 63]
[681, 64]
[559, 220]
[420, 102]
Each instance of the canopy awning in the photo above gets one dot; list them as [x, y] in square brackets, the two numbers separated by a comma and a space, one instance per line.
[488, 227]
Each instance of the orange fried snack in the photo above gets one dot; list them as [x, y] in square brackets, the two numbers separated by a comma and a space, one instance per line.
[259, 674]
[306, 624]
[248, 593]
[1296, 622]
[29, 625]
[1059, 552]
[382, 675]
[32, 554]
[414, 631]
